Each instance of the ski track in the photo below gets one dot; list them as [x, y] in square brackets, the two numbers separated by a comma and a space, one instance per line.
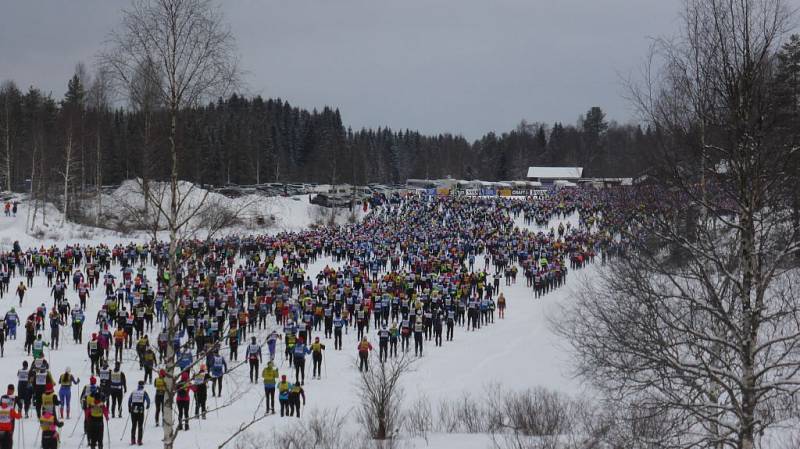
[516, 353]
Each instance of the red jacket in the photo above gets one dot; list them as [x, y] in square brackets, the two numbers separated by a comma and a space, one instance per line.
[7, 417]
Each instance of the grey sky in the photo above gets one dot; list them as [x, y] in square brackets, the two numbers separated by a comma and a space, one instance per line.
[461, 66]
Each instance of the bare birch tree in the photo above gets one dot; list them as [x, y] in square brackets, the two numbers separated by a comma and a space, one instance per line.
[192, 53]
[698, 326]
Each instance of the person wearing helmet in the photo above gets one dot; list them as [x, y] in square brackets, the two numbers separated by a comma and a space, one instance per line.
[138, 401]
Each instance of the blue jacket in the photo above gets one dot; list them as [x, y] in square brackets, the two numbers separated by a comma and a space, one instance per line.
[300, 351]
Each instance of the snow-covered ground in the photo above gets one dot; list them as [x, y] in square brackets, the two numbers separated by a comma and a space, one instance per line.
[517, 352]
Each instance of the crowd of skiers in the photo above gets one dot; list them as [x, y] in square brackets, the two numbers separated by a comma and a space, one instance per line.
[416, 268]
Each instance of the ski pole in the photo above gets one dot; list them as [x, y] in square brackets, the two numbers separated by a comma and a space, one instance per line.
[76, 425]
[125, 427]
[108, 432]
[81, 442]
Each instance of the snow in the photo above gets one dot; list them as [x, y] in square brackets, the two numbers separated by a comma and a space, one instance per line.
[517, 352]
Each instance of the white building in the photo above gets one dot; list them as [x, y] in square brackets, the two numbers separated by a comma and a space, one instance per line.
[550, 175]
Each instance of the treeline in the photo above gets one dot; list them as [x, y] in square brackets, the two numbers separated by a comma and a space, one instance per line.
[243, 140]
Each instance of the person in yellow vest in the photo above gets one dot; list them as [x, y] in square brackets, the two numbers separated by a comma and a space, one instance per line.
[295, 393]
[66, 381]
[316, 358]
[283, 395]
[49, 425]
[49, 400]
[270, 376]
[95, 411]
[161, 387]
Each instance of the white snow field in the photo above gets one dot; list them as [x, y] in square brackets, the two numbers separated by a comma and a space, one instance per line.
[517, 353]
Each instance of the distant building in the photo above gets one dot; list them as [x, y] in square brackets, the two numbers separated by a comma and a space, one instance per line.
[555, 175]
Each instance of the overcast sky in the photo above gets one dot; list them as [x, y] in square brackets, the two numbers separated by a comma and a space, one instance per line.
[460, 66]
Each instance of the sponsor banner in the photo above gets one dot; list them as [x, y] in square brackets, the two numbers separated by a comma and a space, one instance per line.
[442, 191]
[472, 192]
[504, 192]
[488, 192]
[539, 194]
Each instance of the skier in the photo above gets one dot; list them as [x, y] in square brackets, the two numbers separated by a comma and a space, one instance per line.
[300, 352]
[200, 384]
[93, 351]
[218, 369]
[49, 425]
[254, 358]
[161, 386]
[24, 387]
[118, 387]
[270, 376]
[338, 324]
[271, 343]
[95, 410]
[7, 417]
[295, 393]
[363, 354]
[66, 381]
[138, 401]
[383, 343]
[21, 292]
[316, 358]
[182, 400]
[283, 395]
[38, 347]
